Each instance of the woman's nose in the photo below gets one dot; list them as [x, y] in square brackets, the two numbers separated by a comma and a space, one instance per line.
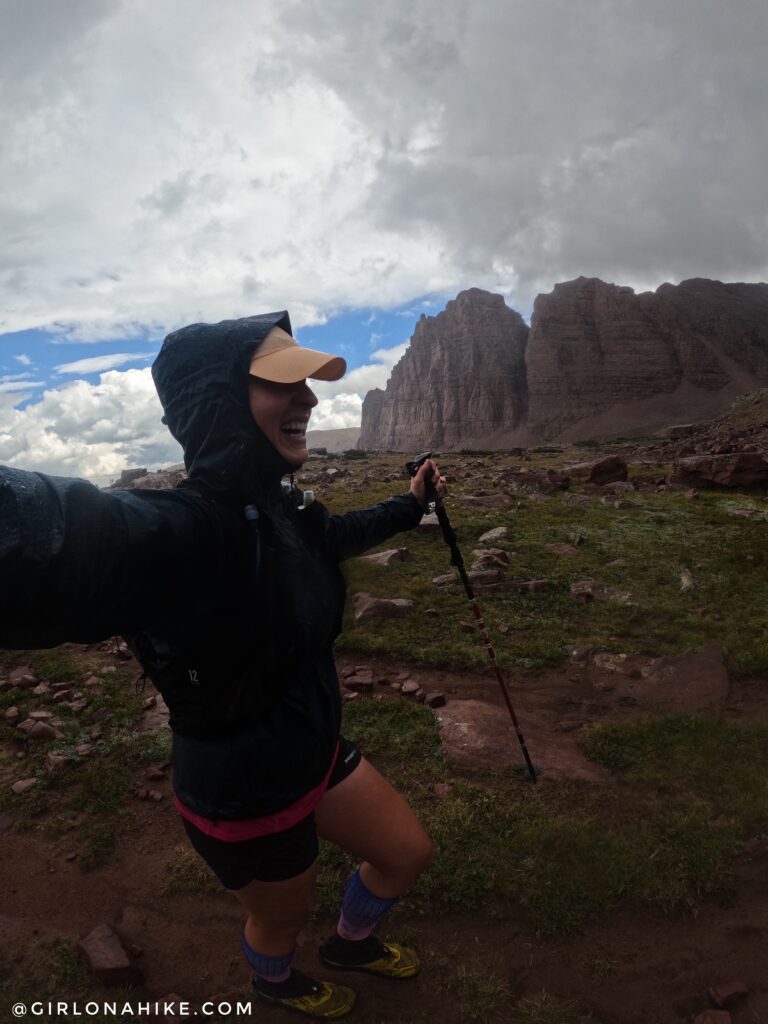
[307, 396]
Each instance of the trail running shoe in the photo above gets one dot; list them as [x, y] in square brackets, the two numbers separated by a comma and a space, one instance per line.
[299, 992]
[370, 955]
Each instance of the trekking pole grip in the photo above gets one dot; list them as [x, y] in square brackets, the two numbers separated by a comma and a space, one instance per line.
[413, 468]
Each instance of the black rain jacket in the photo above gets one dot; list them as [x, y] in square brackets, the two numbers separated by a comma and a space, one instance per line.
[228, 591]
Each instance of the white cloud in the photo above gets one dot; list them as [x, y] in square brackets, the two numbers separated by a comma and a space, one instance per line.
[23, 359]
[8, 385]
[96, 364]
[348, 393]
[90, 430]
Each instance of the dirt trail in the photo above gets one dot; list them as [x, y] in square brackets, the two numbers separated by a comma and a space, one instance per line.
[633, 967]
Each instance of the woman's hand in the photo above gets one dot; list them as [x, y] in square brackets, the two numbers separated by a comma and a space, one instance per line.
[428, 471]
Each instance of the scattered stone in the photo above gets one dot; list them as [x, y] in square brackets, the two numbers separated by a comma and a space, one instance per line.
[102, 715]
[431, 612]
[62, 695]
[154, 774]
[409, 689]
[436, 700]
[149, 702]
[590, 590]
[603, 471]
[361, 683]
[441, 581]
[24, 682]
[619, 487]
[12, 715]
[442, 790]
[41, 690]
[368, 607]
[108, 670]
[484, 576]
[84, 750]
[27, 725]
[92, 681]
[124, 652]
[575, 500]
[6, 823]
[56, 762]
[578, 652]
[396, 686]
[350, 695]
[40, 716]
[107, 959]
[387, 557]
[532, 586]
[713, 1017]
[155, 794]
[76, 706]
[728, 994]
[498, 533]
[487, 500]
[44, 731]
[23, 786]
[419, 696]
[468, 627]
[142, 793]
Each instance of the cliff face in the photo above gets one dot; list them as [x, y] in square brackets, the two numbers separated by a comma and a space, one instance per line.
[599, 361]
[602, 360]
[461, 381]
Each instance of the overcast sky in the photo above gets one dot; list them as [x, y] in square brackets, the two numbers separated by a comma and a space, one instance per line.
[354, 162]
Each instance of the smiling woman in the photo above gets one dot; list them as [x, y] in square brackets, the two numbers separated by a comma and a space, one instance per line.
[230, 594]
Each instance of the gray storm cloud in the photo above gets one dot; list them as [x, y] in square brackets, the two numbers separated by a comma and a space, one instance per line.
[622, 139]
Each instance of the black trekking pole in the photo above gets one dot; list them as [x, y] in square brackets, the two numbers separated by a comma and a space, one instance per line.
[449, 536]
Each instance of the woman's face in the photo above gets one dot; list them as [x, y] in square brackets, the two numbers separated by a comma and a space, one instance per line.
[282, 412]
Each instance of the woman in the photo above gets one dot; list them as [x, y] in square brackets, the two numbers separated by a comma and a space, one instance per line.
[229, 592]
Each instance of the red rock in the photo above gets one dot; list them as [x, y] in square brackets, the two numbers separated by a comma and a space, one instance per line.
[387, 557]
[350, 695]
[62, 695]
[155, 794]
[437, 388]
[40, 716]
[149, 702]
[368, 607]
[441, 581]
[436, 700]
[442, 790]
[567, 550]
[603, 471]
[41, 690]
[409, 689]
[107, 959]
[84, 750]
[44, 731]
[154, 774]
[713, 1017]
[532, 586]
[728, 994]
[744, 469]
[360, 684]
[484, 576]
[490, 536]
[23, 786]
[432, 613]
[57, 762]
[12, 715]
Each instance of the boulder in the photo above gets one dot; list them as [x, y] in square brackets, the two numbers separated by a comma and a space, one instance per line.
[386, 557]
[746, 470]
[106, 958]
[604, 471]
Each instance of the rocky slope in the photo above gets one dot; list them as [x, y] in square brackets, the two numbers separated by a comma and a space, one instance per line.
[599, 361]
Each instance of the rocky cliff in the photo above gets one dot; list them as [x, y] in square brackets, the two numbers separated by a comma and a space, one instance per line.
[599, 361]
[460, 383]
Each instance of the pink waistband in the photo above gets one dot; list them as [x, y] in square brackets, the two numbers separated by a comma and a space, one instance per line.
[233, 831]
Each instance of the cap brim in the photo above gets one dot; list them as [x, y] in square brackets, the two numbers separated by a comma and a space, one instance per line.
[290, 365]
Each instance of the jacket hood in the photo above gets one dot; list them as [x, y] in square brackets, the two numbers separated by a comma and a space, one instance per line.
[201, 374]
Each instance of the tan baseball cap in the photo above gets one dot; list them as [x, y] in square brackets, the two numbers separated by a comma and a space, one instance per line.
[281, 359]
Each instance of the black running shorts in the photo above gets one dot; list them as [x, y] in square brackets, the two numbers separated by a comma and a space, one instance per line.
[273, 857]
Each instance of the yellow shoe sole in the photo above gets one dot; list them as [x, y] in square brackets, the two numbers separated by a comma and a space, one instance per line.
[402, 963]
[329, 1002]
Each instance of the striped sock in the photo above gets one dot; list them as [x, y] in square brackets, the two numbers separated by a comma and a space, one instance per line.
[273, 969]
[360, 910]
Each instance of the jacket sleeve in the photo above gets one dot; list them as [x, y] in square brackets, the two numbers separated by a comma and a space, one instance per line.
[353, 533]
[79, 564]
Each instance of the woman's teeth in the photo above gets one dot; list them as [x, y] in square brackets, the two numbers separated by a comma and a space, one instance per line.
[294, 429]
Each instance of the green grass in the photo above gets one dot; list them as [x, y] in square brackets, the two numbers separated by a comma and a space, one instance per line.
[688, 791]
[481, 995]
[655, 540]
[546, 1009]
[186, 872]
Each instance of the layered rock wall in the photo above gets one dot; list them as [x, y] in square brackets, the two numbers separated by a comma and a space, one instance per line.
[461, 381]
[599, 361]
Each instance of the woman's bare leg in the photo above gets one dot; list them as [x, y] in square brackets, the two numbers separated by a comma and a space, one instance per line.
[277, 911]
[366, 816]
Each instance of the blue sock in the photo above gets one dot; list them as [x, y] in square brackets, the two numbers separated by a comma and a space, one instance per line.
[360, 910]
[271, 968]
